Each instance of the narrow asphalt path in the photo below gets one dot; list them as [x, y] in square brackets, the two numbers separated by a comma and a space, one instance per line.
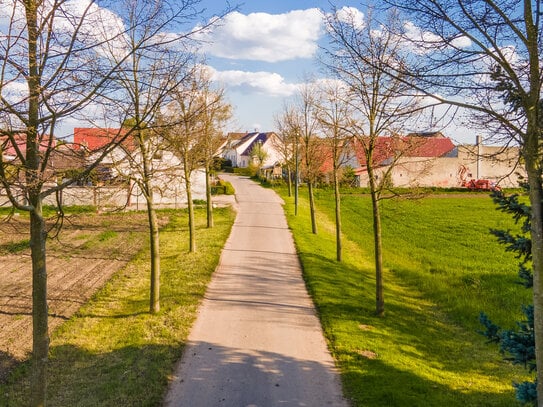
[257, 341]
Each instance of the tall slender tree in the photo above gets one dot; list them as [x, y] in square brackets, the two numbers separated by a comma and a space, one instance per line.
[285, 143]
[306, 123]
[360, 48]
[216, 113]
[54, 63]
[148, 79]
[192, 123]
[484, 57]
[335, 115]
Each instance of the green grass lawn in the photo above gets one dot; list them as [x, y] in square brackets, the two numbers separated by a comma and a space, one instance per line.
[113, 352]
[442, 268]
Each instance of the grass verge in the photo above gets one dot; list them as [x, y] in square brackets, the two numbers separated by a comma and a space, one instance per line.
[442, 268]
[113, 352]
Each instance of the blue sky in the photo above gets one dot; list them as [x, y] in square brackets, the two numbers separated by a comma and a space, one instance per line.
[262, 52]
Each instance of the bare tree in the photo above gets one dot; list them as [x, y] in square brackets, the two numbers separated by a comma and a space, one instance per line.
[484, 57]
[185, 122]
[258, 155]
[54, 63]
[289, 146]
[217, 112]
[285, 143]
[359, 50]
[304, 121]
[149, 77]
[335, 116]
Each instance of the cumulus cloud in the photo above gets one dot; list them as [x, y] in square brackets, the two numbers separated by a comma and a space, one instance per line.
[352, 16]
[98, 27]
[266, 83]
[265, 37]
[426, 40]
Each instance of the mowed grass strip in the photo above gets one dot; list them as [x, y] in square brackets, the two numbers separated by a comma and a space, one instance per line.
[442, 268]
[113, 352]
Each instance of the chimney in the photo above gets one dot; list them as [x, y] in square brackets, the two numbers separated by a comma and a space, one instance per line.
[479, 144]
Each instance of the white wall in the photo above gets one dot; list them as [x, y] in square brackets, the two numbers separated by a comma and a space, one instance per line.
[492, 163]
[119, 196]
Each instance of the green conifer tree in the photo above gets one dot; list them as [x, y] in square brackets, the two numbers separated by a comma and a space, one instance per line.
[517, 344]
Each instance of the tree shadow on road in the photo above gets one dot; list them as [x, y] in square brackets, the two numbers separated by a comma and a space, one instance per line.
[214, 375]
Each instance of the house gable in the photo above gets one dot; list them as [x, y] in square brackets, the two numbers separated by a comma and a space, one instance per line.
[238, 148]
[92, 139]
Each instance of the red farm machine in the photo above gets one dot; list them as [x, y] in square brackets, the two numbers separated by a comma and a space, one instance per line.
[475, 184]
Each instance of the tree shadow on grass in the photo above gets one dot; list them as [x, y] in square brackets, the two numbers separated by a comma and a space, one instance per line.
[394, 356]
[129, 376]
[7, 362]
[402, 388]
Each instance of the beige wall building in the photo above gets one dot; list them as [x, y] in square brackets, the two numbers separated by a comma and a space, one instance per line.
[463, 163]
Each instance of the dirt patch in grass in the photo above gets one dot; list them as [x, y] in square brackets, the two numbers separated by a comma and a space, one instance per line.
[88, 251]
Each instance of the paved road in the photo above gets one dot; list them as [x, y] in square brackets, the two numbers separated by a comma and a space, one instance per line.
[256, 341]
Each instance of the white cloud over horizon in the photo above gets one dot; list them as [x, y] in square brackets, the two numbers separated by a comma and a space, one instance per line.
[265, 83]
[265, 37]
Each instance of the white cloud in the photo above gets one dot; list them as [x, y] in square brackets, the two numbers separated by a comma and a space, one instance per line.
[461, 42]
[98, 27]
[352, 16]
[425, 41]
[15, 89]
[265, 37]
[266, 83]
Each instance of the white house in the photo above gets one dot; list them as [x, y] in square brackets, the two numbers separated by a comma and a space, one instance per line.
[239, 146]
[124, 163]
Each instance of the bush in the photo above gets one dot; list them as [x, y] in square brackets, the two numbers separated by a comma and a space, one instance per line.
[223, 188]
[229, 188]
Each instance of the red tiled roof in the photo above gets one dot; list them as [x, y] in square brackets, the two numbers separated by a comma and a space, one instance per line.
[387, 147]
[20, 141]
[430, 147]
[96, 138]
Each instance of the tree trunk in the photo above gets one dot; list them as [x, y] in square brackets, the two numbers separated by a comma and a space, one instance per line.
[312, 208]
[40, 334]
[339, 255]
[379, 285]
[209, 202]
[536, 196]
[154, 241]
[38, 235]
[532, 156]
[289, 181]
[146, 185]
[296, 189]
[190, 207]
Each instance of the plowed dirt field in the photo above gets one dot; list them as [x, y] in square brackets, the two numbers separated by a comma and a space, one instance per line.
[88, 251]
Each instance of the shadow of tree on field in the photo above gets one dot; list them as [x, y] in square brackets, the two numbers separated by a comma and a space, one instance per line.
[415, 350]
[7, 362]
[399, 388]
[128, 376]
